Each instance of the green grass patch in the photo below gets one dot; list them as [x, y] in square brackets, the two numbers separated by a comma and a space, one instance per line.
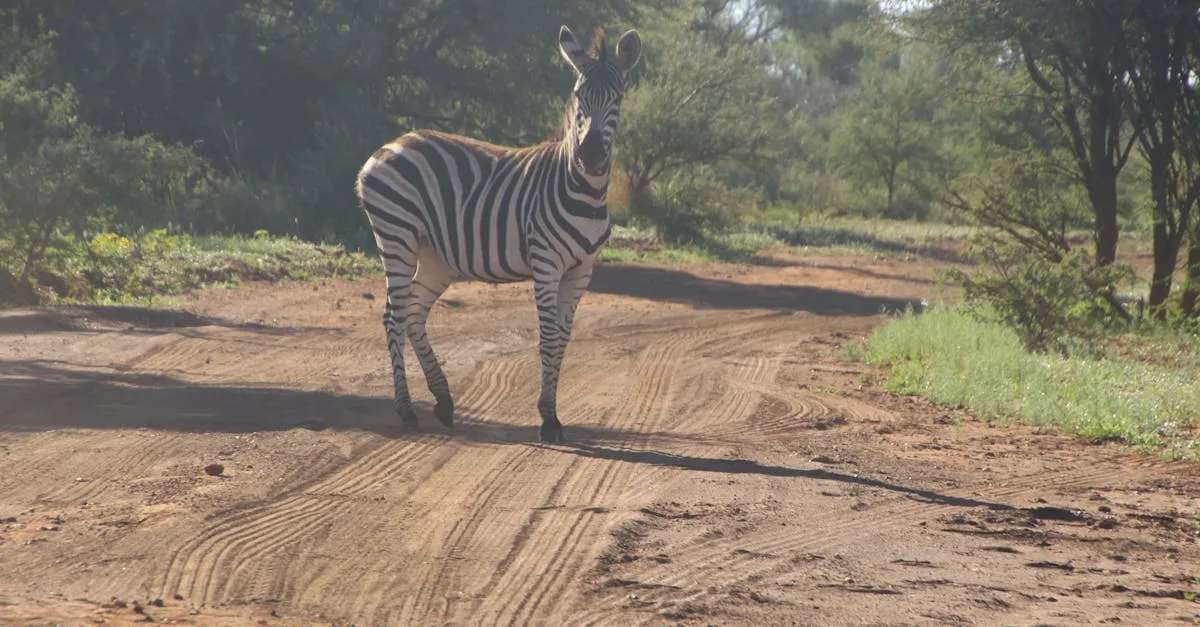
[821, 229]
[830, 236]
[952, 358]
[116, 269]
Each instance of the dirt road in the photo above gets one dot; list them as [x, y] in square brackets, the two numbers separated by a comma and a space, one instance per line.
[724, 468]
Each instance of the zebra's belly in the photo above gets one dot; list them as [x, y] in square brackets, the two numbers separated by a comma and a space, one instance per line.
[490, 270]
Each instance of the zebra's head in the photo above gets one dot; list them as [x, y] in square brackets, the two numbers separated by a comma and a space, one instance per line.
[596, 102]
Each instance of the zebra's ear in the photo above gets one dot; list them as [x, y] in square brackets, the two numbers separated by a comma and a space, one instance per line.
[571, 50]
[629, 49]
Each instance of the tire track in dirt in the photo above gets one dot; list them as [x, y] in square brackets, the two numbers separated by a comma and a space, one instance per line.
[718, 401]
[486, 389]
[256, 548]
[87, 472]
[133, 456]
[541, 572]
[833, 530]
[249, 537]
[482, 523]
[723, 403]
[179, 354]
[199, 569]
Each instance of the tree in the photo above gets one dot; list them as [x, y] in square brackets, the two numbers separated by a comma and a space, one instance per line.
[1159, 56]
[825, 34]
[1188, 168]
[287, 98]
[887, 134]
[1072, 51]
[61, 179]
[700, 104]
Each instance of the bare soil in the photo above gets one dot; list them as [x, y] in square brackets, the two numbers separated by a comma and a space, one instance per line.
[238, 462]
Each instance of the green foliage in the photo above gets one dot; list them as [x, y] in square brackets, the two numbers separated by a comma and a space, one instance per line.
[1030, 278]
[286, 99]
[60, 177]
[111, 268]
[747, 243]
[700, 111]
[956, 359]
[827, 34]
[1062, 305]
[889, 137]
[692, 205]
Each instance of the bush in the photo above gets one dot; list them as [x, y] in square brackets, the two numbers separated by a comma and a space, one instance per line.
[1064, 305]
[110, 267]
[691, 205]
[61, 180]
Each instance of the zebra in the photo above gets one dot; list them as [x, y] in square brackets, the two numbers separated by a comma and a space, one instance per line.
[444, 207]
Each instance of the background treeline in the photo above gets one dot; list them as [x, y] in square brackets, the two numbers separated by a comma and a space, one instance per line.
[1057, 126]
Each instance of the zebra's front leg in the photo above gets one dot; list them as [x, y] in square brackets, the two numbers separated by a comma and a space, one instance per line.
[556, 302]
[550, 346]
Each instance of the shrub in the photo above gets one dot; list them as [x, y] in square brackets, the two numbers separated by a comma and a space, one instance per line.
[1064, 304]
[691, 205]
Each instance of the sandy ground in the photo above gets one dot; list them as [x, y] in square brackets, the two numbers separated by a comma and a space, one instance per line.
[724, 468]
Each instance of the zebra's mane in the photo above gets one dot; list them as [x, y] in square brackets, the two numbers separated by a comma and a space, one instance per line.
[599, 49]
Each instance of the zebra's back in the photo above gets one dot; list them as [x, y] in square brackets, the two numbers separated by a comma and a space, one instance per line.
[466, 199]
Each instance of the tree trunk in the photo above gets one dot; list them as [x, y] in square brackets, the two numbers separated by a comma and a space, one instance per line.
[1164, 267]
[1102, 191]
[1191, 286]
[1156, 88]
[1166, 236]
[891, 189]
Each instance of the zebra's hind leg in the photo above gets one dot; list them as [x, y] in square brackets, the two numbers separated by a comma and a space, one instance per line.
[399, 263]
[401, 398]
[433, 277]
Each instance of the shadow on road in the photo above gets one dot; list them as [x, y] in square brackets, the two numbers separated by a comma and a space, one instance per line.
[664, 284]
[45, 395]
[40, 395]
[745, 466]
[84, 317]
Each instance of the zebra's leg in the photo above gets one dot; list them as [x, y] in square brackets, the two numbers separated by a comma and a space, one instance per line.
[545, 293]
[399, 263]
[570, 292]
[556, 304]
[433, 277]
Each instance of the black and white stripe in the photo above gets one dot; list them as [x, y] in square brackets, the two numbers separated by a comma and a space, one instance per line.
[445, 207]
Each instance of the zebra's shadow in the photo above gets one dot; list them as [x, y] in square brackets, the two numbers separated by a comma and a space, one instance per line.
[524, 430]
[42, 395]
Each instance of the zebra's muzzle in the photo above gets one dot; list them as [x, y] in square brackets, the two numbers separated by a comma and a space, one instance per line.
[592, 154]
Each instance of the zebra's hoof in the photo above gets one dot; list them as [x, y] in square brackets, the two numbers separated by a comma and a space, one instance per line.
[408, 420]
[551, 434]
[444, 410]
